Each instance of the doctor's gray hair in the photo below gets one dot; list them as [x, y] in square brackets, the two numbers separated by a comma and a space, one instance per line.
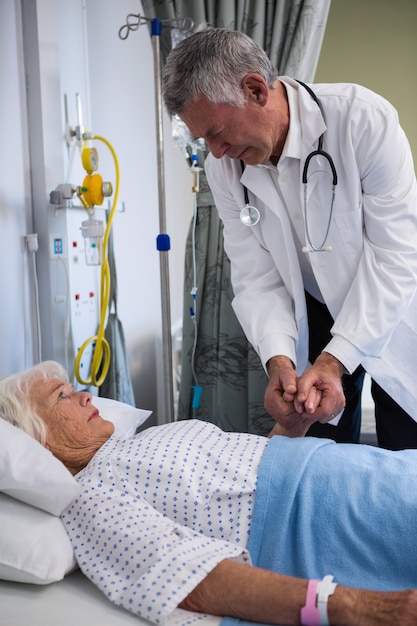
[15, 401]
[212, 63]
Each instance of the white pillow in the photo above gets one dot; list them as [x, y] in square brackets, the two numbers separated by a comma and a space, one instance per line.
[125, 417]
[30, 473]
[34, 546]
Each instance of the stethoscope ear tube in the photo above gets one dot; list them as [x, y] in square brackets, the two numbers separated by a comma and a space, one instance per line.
[250, 215]
[319, 151]
[326, 155]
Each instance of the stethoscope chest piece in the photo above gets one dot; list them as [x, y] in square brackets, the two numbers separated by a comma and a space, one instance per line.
[250, 215]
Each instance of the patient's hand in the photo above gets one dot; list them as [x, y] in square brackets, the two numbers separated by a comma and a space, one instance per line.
[293, 423]
[298, 429]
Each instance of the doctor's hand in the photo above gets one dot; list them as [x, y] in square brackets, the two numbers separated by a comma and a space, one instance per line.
[280, 396]
[325, 375]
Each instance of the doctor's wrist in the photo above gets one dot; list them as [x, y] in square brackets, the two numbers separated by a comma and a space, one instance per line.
[328, 360]
[278, 362]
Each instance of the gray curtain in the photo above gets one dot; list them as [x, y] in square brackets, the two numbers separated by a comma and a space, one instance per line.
[225, 365]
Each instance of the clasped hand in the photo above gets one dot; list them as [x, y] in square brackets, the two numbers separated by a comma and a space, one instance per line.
[297, 402]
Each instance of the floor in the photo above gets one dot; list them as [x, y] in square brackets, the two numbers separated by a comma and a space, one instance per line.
[368, 434]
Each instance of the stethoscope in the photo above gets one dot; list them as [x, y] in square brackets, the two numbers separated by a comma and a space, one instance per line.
[250, 215]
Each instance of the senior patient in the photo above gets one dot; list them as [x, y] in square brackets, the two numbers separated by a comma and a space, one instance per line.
[176, 515]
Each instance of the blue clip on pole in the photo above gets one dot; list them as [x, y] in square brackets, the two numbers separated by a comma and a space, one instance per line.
[156, 27]
[163, 242]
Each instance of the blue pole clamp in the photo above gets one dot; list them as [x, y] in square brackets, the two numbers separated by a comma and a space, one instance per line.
[163, 242]
[156, 27]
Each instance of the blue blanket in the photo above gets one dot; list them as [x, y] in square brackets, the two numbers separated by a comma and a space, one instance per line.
[342, 509]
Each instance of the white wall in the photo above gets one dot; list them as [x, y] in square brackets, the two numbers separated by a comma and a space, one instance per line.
[374, 43]
[78, 50]
[16, 329]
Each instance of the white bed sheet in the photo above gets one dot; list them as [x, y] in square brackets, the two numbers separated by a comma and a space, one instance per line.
[74, 601]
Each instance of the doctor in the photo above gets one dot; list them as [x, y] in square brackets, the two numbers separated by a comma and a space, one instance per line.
[324, 264]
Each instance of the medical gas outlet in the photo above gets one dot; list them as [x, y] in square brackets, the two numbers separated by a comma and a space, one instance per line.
[91, 194]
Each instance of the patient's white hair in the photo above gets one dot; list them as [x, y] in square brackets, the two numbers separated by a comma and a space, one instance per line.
[15, 403]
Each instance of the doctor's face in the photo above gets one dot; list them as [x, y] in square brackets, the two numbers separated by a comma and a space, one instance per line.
[247, 133]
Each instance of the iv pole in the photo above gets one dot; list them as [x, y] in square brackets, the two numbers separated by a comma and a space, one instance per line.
[133, 22]
[163, 241]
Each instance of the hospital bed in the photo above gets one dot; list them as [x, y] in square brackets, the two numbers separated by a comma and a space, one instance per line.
[73, 601]
[40, 583]
[70, 602]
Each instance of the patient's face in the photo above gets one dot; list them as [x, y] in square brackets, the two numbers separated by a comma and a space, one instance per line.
[73, 423]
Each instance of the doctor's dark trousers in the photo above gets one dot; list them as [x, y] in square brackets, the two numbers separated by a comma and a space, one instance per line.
[395, 429]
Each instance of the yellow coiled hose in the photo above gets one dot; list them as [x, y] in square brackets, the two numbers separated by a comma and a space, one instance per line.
[99, 369]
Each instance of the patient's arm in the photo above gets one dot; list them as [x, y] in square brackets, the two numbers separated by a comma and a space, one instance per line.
[250, 593]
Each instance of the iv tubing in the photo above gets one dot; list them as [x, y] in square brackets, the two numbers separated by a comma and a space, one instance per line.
[101, 348]
[194, 294]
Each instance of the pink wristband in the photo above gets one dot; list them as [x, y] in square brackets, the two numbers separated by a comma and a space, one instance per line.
[310, 615]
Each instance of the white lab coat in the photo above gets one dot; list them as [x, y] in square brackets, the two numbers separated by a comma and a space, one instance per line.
[369, 280]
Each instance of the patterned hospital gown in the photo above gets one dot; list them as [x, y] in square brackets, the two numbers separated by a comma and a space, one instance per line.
[159, 510]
